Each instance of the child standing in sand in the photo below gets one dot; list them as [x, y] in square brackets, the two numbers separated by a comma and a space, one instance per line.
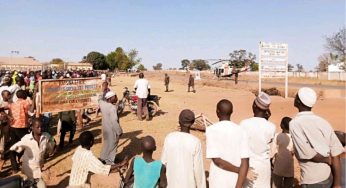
[283, 173]
[147, 172]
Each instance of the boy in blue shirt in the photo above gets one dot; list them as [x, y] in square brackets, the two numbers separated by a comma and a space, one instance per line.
[147, 172]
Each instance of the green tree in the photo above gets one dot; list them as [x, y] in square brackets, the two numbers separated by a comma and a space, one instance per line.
[141, 67]
[199, 64]
[133, 59]
[57, 61]
[290, 68]
[121, 60]
[185, 63]
[254, 66]
[158, 66]
[97, 59]
[118, 59]
[241, 58]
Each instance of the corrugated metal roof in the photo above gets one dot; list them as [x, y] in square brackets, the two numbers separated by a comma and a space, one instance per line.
[19, 61]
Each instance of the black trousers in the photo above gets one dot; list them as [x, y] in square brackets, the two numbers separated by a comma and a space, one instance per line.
[65, 127]
[16, 134]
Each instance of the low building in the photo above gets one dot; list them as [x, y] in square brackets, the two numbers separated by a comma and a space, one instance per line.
[20, 64]
[336, 71]
[79, 66]
[69, 66]
[335, 67]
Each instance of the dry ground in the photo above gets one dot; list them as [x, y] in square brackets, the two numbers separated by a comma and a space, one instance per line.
[203, 101]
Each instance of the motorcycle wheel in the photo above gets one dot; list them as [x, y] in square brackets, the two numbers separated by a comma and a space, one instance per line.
[152, 108]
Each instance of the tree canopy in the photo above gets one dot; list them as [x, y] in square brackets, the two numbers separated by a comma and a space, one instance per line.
[336, 44]
[141, 67]
[290, 68]
[133, 59]
[57, 61]
[158, 66]
[242, 58]
[254, 66]
[185, 63]
[121, 60]
[97, 59]
[199, 64]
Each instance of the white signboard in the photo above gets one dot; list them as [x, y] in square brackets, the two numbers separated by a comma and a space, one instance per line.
[273, 61]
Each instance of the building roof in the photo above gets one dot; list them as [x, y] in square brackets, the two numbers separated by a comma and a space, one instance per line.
[79, 64]
[19, 61]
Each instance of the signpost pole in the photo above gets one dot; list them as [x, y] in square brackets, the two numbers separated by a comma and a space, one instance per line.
[259, 70]
[286, 85]
[286, 76]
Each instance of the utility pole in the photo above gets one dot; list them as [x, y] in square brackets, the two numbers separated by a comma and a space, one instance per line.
[13, 52]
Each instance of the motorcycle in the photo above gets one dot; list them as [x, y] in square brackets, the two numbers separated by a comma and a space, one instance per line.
[130, 99]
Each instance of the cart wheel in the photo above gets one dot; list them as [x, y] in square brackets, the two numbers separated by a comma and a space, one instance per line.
[152, 108]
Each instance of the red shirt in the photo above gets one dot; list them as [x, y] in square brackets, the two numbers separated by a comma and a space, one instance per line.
[19, 111]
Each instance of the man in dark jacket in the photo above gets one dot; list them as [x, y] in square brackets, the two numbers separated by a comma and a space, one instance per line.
[191, 84]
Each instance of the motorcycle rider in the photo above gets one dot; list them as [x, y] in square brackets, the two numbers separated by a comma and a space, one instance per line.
[142, 89]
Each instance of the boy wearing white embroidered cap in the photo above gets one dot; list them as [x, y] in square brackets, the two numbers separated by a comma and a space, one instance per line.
[260, 134]
[316, 146]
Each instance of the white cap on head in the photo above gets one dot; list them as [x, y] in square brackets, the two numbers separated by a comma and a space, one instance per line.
[263, 100]
[307, 96]
[109, 94]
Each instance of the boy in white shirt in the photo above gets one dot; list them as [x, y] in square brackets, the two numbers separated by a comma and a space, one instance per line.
[35, 146]
[260, 137]
[227, 147]
[84, 161]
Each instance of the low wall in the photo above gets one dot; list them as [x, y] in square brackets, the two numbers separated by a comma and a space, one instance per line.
[339, 76]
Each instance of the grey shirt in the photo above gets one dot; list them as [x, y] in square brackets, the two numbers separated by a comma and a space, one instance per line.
[312, 134]
[110, 117]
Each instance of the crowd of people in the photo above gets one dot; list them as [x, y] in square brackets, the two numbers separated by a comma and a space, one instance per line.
[19, 118]
[248, 154]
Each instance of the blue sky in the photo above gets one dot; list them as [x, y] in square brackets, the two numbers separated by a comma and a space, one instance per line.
[167, 31]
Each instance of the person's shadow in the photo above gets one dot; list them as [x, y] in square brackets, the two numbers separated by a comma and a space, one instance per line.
[133, 146]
